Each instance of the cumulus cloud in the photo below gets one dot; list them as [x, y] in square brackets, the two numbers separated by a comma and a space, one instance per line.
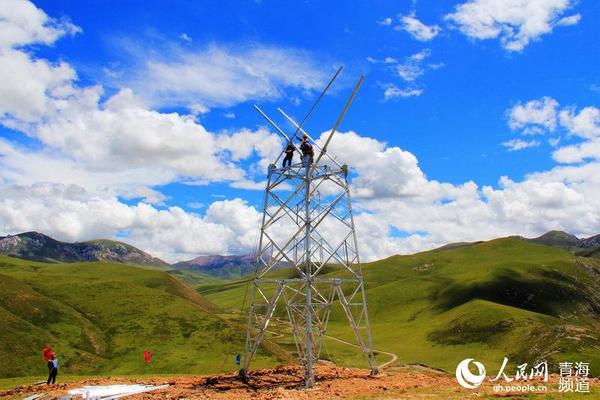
[544, 115]
[575, 153]
[417, 29]
[22, 23]
[68, 213]
[93, 152]
[90, 151]
[585, 123]
[515, 22]
[432, 213]
[116, 145]
[534, 114]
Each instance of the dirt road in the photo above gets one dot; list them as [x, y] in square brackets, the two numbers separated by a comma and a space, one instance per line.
[285, 382]
[393, 357]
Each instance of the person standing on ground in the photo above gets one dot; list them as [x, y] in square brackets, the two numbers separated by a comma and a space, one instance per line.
[47, 357]
[289, 154]
[53, 367]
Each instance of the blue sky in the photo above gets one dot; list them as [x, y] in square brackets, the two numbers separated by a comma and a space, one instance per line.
[457, 96]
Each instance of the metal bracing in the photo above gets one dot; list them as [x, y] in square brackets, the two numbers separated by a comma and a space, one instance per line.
[307, 225]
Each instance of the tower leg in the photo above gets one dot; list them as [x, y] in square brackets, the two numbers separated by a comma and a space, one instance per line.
[253, 346]
[368, 353]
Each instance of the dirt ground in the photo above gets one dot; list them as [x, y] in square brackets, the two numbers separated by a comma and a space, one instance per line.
[286, 383]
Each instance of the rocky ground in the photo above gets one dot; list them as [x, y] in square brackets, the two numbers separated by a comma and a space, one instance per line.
[286, 383]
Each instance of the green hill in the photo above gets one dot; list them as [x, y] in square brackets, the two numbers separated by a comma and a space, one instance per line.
[557, 239]
[100, 317]
[486, 300]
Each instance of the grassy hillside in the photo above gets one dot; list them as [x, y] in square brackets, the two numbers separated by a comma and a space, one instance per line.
[100, 317]
[483, 300]
[486, 300]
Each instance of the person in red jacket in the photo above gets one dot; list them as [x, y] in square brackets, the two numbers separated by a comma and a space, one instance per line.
[48, 356]
[47, 353]
[147, 357]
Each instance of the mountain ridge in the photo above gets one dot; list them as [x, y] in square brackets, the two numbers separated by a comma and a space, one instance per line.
[35, 246]
[229, 266]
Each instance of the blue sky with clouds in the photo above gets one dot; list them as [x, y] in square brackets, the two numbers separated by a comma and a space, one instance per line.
[477, 118]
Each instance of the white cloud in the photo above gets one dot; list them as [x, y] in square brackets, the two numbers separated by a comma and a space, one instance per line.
[518, 144]
[22, 23]
[417, 29]
[116, 146]
[585, 124]
[544, 114]
[540, 113]
[387, 21]
[408, 201]
[575, 153]
[94, 151]
[515, 22]
[412, 68]
[409, 70]
[554, 142]
[219, 75]
[390, 190]
[68, 213]
[570, 20]
[391, 91]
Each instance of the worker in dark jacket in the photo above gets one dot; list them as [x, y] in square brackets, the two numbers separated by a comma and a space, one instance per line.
[53, 368]
[289, 154]
[307, 150]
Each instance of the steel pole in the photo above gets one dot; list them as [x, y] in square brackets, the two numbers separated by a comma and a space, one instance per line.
[309, 375]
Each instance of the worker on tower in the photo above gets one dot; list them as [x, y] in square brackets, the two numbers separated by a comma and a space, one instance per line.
[289, 154]
[307, 150]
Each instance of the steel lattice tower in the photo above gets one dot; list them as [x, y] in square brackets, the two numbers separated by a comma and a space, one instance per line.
[308, 228]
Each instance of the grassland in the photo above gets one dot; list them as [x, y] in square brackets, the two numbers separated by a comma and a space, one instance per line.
[100, 317]
[506, 297]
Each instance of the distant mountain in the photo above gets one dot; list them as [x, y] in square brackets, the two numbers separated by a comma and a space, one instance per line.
[587, 247]
[557, 239]
[456, 245]
[593, 241]
[220, 266]
[39, 247]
